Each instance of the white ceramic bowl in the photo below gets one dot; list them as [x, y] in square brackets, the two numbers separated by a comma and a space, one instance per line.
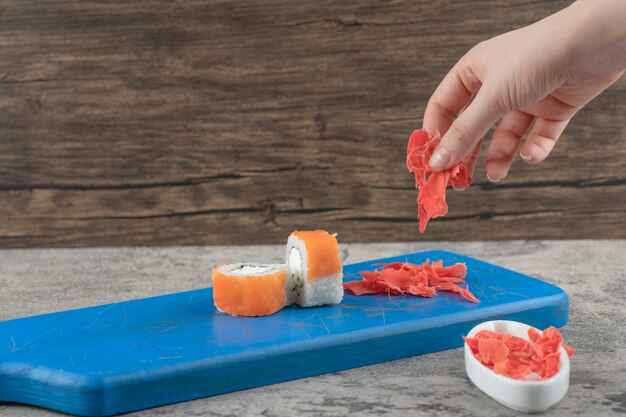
[525, 396]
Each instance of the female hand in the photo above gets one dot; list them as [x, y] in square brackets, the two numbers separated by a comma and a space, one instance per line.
[532, 79]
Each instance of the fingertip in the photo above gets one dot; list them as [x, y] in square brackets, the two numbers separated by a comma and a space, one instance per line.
[526, 156]
[494, 178]
[455, 144]
[496, 171]
[440, 158]
[530, 155]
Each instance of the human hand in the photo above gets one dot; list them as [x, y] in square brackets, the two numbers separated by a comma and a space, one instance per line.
[532, 79]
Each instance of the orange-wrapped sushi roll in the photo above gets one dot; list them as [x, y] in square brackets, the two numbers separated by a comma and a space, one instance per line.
[250, 289]
[314, 268]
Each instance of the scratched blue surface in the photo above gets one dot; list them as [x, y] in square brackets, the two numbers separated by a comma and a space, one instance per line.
[143, 353]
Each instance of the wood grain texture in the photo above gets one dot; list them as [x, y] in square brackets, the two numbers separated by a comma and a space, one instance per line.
[207, 122]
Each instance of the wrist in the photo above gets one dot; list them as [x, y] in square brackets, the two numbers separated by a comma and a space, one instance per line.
[597, 32]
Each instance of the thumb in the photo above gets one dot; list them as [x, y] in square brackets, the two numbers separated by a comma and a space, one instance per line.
[467, 129]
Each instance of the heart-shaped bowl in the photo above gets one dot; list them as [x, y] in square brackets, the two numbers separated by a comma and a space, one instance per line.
[520, 395]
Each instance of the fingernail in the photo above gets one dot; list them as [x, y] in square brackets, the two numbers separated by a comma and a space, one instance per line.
[526, 157]
[492, 179]
[458, 188]
[440, 159]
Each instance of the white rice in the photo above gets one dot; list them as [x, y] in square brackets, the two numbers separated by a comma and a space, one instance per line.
[305, 292]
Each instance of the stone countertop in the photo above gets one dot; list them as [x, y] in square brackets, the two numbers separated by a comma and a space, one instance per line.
[590, 271]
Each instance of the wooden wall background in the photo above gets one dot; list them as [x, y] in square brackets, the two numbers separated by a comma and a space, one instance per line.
[152, 122]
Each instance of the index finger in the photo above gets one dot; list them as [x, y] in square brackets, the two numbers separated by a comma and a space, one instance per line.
[452, 95]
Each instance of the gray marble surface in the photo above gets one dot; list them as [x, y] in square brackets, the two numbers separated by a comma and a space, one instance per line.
[592, 272]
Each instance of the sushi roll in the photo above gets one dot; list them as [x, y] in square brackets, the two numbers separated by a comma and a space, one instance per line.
[250, 289]
[314, 268]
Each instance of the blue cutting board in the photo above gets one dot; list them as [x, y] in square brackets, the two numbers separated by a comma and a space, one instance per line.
[138, 354]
